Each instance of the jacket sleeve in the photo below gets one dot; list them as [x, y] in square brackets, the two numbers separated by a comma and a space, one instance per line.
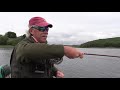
[37, 51]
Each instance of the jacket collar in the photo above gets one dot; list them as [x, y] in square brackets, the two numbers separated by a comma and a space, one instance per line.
[30, 39]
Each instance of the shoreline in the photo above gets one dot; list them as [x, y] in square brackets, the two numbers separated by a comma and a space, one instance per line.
[6, 46]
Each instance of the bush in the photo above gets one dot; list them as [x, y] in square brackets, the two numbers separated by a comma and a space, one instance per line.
[3, 40]
[10, 35]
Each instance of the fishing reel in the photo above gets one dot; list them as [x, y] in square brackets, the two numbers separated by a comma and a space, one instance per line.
[56, 60]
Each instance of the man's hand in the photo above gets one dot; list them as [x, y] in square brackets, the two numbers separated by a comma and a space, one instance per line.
[59, 74]
[72, 53]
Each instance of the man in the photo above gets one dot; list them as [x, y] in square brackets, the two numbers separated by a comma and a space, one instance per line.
[34, 58]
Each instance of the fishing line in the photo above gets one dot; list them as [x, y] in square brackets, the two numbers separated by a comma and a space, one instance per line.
[101, 55]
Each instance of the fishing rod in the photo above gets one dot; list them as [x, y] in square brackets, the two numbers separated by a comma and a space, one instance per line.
[101, 55]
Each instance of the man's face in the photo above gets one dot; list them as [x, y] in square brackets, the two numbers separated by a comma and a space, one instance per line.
[39, 35]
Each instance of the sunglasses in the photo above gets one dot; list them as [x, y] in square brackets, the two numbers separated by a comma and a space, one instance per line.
[42, 29]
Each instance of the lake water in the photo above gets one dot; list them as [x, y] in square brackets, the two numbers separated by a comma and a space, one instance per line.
[88, 67]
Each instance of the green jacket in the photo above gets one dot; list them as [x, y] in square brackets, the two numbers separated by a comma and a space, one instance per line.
[35, 60]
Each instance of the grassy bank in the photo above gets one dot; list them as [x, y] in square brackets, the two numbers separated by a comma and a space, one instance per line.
[6, 46]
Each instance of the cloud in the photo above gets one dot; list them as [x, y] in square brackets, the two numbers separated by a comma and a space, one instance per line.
[80, 35]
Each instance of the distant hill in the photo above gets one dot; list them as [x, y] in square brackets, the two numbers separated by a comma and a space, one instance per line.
[109, 42]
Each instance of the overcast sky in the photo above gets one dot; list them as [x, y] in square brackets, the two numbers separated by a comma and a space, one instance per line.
[68, 27]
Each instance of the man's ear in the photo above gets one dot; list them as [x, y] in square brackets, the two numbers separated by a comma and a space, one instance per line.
[31, 31]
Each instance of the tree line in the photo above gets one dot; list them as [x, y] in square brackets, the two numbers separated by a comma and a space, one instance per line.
[109, 42]
[10, 38]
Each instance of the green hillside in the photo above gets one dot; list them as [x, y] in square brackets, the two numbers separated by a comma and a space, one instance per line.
[109, 42]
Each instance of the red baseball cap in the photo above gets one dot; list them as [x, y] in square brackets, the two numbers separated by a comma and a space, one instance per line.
[39, 21]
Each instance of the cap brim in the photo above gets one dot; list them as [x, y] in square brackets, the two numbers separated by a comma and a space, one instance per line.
[50, 25]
